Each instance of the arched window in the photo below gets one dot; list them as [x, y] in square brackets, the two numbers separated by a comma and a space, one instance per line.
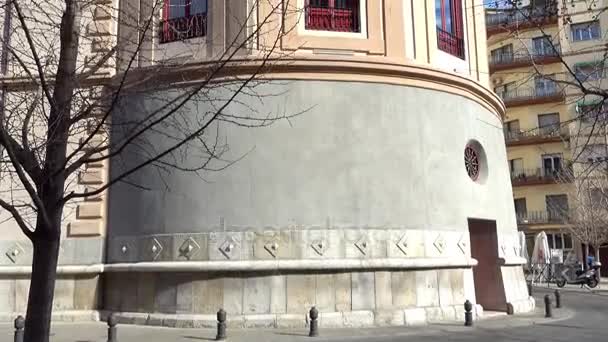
[450, 31]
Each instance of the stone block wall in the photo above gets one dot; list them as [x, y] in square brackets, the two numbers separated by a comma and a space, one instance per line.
[275, 300]
[77, 297]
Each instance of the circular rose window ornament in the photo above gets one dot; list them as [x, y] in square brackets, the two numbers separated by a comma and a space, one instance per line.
[472, 162]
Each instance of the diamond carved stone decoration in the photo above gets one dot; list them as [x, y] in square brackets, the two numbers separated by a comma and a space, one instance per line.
[227, 247]
[319, 246]
[503, 247]
[463, 244]
[362, 244]
[155, 248]
[188, 248]
[402, 244]
[15, 252]
[272, 247]
[440, 243]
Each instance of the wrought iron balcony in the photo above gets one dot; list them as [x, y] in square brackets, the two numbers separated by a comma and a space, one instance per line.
[450, 43]
[183, 28]
[539, 176]
[510, 60]
[537, 135]
[522, 96]
[498, 21]
[542, 217]
[342, 19]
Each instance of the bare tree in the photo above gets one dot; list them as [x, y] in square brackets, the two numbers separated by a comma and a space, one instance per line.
[62, 110]
[586, 213]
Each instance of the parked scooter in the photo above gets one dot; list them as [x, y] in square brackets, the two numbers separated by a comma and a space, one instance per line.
[589, 277]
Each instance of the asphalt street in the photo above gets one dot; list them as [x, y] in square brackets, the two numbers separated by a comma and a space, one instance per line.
[584, 317]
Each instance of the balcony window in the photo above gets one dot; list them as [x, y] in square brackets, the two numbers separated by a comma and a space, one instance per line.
[543, 46]
[589, 71]
[333, 15]
[183, 19]
[450, 32]
[548, 123]
[552, 163]
[585, 31]
[502, 55]
[512, 130]
[544, 85]
[557, 207]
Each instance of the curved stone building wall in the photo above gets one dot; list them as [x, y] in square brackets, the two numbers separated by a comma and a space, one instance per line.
[361, 205]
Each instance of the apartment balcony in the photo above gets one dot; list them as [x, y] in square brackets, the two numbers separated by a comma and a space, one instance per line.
[538, 176]
[526, 97]
[181, 28]
[510, 61]
[542, 217]
[500, 21]
[450, 43]
[537, 136]
[335, 19]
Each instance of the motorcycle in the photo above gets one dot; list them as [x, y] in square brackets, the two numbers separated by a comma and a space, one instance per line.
[589, 277]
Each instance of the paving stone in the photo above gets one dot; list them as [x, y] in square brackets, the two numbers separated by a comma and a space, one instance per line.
[363, 291]
[300, 293]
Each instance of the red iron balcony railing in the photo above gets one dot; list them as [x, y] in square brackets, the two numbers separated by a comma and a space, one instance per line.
[539, 176]
[344, 19]
[450, 43]
[175, 29]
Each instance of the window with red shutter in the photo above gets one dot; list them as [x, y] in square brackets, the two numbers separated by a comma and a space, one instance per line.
[450, 28]
[333, 15]
[183, 19]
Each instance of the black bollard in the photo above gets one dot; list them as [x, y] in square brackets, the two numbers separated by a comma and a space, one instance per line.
[19, 325]
[314, 322]
[221, 325]
[112, 322]
[510, 309]
[530, 289]
[558, 299]
[468, 314]
[548, 312]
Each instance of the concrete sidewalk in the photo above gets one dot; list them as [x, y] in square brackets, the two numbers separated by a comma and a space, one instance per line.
[601, 289]
[97, 332]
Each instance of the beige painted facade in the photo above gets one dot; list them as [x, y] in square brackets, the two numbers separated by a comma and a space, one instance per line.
[529, 144]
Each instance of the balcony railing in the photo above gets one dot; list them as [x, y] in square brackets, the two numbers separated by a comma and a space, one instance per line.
[334, 19]
[511, 60]
[542, 217]
[450, 43]
[519, 97]
[183, 28]
[537, 135]
[497, 21]
[540, 176]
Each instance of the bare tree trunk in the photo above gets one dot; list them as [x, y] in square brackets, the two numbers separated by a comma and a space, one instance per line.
[42, 288]
[585, 255]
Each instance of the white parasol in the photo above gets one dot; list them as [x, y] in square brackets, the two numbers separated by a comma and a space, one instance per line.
[541, 255]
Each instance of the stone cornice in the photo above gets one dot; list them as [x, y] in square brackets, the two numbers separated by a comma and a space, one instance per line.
[257, 265]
